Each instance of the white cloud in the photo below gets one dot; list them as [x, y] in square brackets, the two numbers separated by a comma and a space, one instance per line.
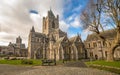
[77, 9]
[84, 34]
[76, 22]
[37, 20]
[16, 20]
[4, 43]
[64, 26]
[6, 37]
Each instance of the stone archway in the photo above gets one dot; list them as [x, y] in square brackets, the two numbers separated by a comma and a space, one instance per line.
[67, 53]
[117, 53]
[38, 54]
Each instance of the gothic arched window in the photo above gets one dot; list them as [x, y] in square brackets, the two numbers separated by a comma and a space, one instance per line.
[45, 26]
[53, 24]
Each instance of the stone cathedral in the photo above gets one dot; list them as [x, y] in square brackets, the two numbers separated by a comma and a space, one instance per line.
[53, 43]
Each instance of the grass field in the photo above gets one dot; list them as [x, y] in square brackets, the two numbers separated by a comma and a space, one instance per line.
[103, 65]
[19, 62]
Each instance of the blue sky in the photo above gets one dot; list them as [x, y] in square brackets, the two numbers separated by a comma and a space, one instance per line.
[73, 8]
[70, 6]
[16, 19]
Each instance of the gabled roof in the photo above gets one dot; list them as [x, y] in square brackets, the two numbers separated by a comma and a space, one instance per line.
[109, 34]
[59, 30]
[74, 39]
[60, 40]
[22, 45]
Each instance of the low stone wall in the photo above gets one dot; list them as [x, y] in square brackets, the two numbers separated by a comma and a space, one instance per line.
[13, 58]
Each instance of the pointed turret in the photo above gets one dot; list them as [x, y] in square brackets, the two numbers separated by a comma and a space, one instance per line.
[32, 30]
[79, 36]
[10, 44]
[50, 13]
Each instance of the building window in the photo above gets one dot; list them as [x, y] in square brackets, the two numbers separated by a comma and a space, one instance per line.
[94, 45]
[39, 39]
[89, 45]
[106, 53]
[53, 24]
[104, 44]
[99, 44]
[32, 39]
[91, 54]
[3, 52]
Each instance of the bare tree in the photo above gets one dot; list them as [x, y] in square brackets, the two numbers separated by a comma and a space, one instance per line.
[91, 19]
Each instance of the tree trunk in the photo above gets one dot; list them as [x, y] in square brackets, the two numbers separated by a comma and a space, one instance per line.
[110, 55]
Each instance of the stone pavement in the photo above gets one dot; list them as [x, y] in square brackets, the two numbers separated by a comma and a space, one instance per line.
[72, 68]
[12, 69]
[60, 70]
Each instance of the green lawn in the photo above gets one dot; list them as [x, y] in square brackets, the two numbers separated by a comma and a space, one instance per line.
[105, 63]
[19, 62]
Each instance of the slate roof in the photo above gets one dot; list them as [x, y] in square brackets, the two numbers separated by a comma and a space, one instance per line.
[37, 34]
[59, 30]
[109, 34]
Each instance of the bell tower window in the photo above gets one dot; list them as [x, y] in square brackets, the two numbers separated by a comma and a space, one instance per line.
[53, 24]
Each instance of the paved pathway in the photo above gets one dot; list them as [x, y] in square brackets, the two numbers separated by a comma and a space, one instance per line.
[75, 64]
[60, 70]
[74, 68]
[13, 70]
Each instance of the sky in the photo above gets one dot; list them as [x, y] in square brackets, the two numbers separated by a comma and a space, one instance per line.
[18, 16]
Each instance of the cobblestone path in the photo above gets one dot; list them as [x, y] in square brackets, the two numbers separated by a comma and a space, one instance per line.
[66, 69]
[60, 70]
[13, 70]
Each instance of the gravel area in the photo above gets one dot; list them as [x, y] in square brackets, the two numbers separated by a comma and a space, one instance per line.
[13, 70]
[60, 70]
[75, 68]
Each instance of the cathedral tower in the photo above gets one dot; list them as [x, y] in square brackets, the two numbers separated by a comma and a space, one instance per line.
[50, 23]
[18, 40]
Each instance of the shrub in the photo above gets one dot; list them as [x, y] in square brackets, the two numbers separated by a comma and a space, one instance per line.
[29, 62]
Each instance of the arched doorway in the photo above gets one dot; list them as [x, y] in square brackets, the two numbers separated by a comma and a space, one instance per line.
[67, 53]
[39, 53]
